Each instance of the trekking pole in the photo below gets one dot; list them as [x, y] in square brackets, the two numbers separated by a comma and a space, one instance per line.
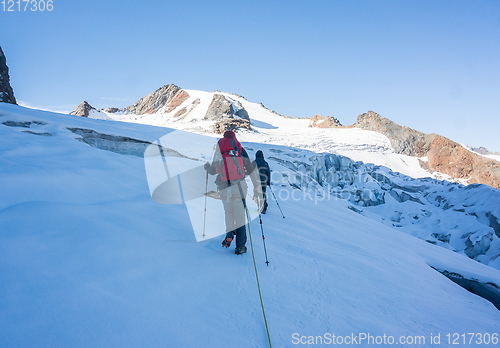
[277, 202]
[206, 194]
[205, 211]
[263, 239]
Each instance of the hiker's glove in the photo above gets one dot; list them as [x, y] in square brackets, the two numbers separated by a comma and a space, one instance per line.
[256, 200]
[206, 166]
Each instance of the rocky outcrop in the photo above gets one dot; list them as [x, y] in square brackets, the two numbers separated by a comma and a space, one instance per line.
[6, 92]
[231, 124]
[318, 121]
[224, 108]
[111, 110]
[444, 155]
[83, 109]
[404, 140]
[220, 108]
[165, 99]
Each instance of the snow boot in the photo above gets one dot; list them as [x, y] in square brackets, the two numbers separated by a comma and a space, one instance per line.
[227, 242]
[240, 250]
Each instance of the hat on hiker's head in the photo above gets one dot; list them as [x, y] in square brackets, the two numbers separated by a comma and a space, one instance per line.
[259, 154]
[229, 134]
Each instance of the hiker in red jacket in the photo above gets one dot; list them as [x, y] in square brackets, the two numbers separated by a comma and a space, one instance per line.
[231, 164]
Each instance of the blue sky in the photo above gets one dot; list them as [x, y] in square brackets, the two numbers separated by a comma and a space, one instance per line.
[430, 65]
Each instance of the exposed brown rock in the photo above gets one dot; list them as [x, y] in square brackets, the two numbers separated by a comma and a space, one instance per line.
[179, 98]
[169, 96]
[447, 156]
[319, 121]
[231, 124]
[6, 92]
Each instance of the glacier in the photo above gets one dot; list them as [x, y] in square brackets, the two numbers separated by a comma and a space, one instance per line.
[87, 258]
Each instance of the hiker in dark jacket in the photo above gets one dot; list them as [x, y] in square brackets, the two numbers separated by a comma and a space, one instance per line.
[231, 164]
[265, 176]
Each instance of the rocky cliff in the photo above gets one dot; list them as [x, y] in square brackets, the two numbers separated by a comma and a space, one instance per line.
[229, 114]
[6, 92]
[220, 108]
[444, 155]
[449, 157]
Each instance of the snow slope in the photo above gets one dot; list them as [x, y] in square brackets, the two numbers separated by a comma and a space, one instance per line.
[88, 259]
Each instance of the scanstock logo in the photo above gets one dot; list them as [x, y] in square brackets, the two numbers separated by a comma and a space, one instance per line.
[175, 174]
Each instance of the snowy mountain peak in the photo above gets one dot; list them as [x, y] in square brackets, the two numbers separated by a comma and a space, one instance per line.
[83, 109]
[163, 100]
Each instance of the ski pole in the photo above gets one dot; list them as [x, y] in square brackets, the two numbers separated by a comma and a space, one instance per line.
[277, 202]
[263, 239]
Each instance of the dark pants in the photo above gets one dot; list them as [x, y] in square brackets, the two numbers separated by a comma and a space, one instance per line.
[264, 194]
[232, 200]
